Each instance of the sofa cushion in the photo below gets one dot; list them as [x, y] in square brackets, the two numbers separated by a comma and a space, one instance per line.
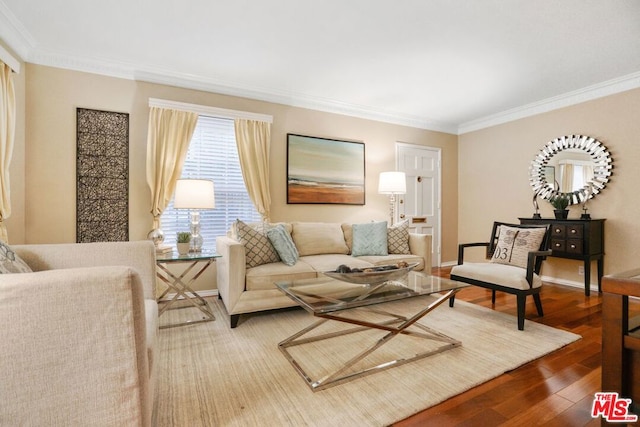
[314, 238]
[347, 230]
[282, 242]
[515, 243]
[330, 262]
[501, 274]
[10, 262]
[263, 277]
[370, 239]
[258, 248]
[398, 238]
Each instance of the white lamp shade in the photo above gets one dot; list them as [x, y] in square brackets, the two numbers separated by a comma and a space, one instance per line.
[194, 194]
[392, 183]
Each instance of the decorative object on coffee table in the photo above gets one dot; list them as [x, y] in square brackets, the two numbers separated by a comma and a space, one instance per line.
[195, 195]
[392, 183]
[373, 275]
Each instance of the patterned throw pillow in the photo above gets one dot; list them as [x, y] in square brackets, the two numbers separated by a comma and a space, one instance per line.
[514, 245]
[258, 248]
[10, 262]
[282, 242]
[370, 239]
[398, 238]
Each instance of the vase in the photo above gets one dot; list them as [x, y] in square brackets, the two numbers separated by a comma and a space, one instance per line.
[561, 214]
[183, 248]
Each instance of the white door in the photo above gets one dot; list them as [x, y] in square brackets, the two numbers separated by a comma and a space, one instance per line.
[421, 203]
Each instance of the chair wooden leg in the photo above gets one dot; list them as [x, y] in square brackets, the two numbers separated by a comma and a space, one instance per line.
[521, 301]
[536, 298]
[493, 296]
[452, 300]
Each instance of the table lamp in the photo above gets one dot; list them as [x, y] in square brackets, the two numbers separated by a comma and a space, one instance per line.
[392, 183]
[195, 195]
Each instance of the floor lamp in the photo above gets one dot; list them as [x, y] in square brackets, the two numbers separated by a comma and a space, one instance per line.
[392, 183]
[195, 195]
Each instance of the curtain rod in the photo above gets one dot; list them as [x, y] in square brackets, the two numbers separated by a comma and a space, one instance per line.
[209, 111]
[9, 59]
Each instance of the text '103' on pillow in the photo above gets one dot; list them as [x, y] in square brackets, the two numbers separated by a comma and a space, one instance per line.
[514, 245]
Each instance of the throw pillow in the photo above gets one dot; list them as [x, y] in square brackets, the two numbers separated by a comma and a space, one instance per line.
[258, 248]
[10, 262]
[514, 245]
[398, 238]
[282, 242]
[370, 239]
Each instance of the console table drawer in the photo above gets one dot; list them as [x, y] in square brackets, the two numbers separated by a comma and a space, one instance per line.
[574, 246]
[558, 245]
[558, 230]
[575, 231]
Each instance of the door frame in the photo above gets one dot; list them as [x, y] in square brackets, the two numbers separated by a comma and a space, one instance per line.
[437, 256]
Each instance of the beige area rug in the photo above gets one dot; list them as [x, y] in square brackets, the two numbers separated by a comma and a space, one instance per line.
[211, 375]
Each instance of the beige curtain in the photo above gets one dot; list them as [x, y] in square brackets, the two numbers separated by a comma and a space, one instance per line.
[254, 138]
[566, 173]
[7, 133]
[168, 140]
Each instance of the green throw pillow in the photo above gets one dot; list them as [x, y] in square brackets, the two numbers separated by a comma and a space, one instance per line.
[282, 242]
[370, 239]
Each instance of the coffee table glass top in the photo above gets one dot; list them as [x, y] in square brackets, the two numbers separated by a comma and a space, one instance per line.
[326, 295]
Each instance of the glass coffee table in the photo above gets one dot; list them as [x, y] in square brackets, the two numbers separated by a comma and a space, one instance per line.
[331, 299]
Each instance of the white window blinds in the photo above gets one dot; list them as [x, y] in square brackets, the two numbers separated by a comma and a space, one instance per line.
[213, 155]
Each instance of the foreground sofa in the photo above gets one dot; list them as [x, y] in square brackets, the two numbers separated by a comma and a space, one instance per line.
[78, 336]
[321, 247]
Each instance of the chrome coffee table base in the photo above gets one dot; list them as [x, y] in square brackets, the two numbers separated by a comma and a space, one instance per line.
[396, 326]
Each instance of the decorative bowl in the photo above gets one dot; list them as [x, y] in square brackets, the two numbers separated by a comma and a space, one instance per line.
[372, 277]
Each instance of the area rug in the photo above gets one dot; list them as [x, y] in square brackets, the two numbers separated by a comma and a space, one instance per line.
[211, 375]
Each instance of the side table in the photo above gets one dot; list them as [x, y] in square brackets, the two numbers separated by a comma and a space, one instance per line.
[181, 286]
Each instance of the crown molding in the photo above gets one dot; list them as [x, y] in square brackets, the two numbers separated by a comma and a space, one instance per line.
[14, 34]
[292, 99]
[609, 87]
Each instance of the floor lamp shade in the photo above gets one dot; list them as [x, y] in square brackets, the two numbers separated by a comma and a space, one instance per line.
[194, 194]
[392, 183]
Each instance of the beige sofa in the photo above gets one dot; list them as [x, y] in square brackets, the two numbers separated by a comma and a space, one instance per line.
[78, 336]
[321, 246]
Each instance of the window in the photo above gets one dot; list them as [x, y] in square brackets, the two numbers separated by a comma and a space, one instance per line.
[213, 155]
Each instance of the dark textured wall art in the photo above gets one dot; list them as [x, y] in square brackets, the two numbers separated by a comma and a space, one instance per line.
[102, 176]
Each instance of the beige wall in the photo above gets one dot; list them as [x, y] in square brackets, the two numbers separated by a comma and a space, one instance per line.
[52, 96]
[493, 177]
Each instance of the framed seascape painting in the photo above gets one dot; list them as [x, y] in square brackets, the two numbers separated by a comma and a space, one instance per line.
[321, 170]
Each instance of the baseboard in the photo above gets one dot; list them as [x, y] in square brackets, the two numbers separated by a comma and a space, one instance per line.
[448, 264]
[572, 283]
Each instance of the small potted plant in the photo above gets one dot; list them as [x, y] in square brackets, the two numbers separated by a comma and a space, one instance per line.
[560, 203]
[183, 239]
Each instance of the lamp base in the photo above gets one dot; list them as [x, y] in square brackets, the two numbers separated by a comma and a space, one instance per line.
[196, 239]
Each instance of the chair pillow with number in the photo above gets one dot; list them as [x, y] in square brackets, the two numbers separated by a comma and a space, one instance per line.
[514, 245]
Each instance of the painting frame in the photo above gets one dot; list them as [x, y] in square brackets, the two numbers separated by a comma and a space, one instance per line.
[102, 176]
[325, 170]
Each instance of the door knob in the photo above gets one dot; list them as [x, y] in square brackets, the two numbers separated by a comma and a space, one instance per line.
[419, 179]
[401, 216]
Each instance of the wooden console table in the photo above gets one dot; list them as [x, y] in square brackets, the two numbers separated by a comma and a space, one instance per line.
[580, 239]
[621, 337]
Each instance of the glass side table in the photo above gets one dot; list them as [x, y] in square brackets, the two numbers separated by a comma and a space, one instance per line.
[181, 286]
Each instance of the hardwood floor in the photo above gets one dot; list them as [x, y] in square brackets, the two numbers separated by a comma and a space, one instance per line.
[555, 390]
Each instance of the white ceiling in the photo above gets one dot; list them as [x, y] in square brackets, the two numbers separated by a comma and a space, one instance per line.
[444, 65]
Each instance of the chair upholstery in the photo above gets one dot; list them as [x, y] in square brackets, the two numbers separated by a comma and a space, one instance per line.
[505, 278]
